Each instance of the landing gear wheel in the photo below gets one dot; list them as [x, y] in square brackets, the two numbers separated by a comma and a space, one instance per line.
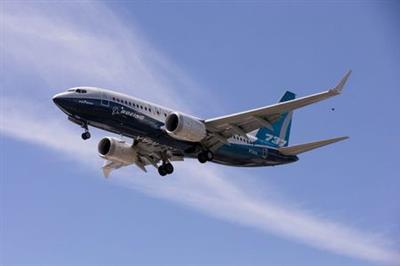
[202, 157]
[169, 168]
[162, 171]
[205, 156]
[85, 135]
[165, 169]
[210, 155]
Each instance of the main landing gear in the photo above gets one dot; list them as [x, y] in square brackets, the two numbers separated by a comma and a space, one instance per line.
[165, 169]
[205, 156]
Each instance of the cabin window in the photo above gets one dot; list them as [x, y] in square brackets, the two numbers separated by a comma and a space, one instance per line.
[158, 112]
[141, 107]
[145, 108]
[149, 110]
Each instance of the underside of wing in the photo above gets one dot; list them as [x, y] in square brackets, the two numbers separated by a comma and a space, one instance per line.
[147, 152]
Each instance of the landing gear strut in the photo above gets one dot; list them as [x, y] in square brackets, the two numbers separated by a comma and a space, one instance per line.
[165, 169]
[205, 156]
[85, 135]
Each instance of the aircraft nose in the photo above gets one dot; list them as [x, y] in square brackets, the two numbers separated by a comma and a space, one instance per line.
[57, 99]
[60, 100]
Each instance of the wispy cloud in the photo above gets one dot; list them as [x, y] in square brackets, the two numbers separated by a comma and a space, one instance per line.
[86, 50]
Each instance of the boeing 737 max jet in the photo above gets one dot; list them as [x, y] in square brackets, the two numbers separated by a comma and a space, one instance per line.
[257, 137]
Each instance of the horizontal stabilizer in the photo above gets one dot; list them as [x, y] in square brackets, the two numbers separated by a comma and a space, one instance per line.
[297, 149]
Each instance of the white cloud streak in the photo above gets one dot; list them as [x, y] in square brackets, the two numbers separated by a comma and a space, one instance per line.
[85, 49]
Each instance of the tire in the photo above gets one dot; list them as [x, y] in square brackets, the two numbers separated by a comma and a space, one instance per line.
[85, 135]
[169, 168]
[162, 171]
[202, 157]
[210, 155]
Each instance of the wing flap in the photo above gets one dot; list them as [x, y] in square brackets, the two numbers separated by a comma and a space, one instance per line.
[297, 149]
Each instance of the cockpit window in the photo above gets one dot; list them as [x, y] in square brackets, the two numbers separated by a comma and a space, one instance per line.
[71, 90]
[81, 91]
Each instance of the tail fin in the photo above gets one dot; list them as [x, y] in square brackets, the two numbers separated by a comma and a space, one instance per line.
[277, 134]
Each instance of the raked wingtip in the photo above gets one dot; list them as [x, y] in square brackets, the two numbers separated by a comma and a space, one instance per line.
[339, 87]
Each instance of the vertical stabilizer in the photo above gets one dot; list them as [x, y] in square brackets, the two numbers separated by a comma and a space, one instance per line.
[277, 134]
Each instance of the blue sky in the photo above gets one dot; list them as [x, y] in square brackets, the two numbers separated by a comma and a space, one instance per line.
[336, 206]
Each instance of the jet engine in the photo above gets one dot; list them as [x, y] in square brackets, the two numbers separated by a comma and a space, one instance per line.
[184, 127]
[117, 150]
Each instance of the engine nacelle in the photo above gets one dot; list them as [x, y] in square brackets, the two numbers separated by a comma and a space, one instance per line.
[185, 127]
[117, 150]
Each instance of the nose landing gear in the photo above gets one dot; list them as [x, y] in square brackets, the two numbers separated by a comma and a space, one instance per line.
[83, 124]
[85, 135]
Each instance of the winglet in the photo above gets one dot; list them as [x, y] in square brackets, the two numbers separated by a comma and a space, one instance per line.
[339, 87]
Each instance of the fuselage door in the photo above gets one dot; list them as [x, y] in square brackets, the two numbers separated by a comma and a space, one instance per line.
[104, 99]
[264, 153]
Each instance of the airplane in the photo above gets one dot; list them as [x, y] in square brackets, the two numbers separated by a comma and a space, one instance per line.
[257, 137]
